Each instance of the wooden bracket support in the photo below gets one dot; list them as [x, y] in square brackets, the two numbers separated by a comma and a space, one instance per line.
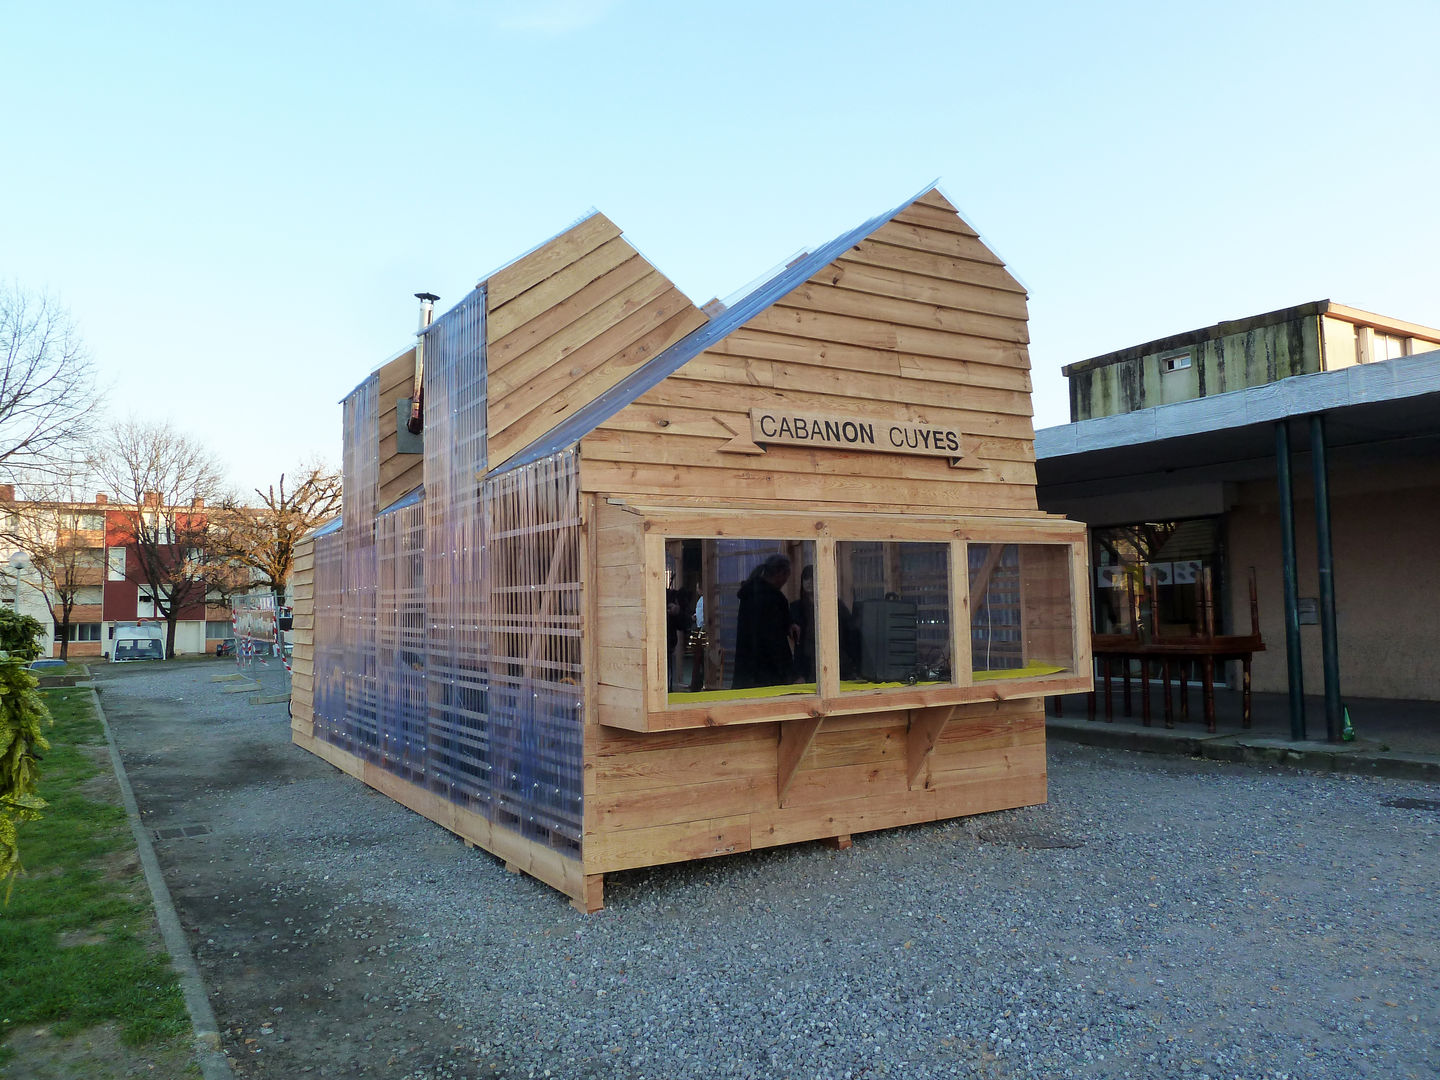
[795, 738]
[921, 737]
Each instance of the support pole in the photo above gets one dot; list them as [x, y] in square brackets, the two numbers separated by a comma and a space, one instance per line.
[1293, 660]
[1330, 649]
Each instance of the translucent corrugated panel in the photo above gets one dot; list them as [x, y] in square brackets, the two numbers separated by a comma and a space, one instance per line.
[359, 478]
[447, 632]
[401, 640]
[532, 622]
[457, 675]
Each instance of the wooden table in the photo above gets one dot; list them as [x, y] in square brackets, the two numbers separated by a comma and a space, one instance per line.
[1205, 650]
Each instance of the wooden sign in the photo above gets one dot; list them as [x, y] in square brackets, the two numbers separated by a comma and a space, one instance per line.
[831, 431]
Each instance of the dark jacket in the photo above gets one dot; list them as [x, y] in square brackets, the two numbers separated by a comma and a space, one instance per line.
[762, 636]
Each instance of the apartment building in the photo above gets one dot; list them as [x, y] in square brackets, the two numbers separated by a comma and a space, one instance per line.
[87, 549]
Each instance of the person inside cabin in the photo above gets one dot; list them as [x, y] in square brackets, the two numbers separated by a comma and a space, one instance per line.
[802, 614]
[765, 636]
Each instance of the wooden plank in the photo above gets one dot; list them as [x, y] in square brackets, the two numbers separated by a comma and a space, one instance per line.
[869, 333]
[667, 843]
[558, 288]
[529, 270]
[924, 730]
[947, 266]
[894, 283]
[936, 242]
[932, 400]
[612, 742]
[831, 392]
[652, 807]
[902, 312]
[745, 754]
[934, 217]
[812, 476]
[769, 345]
[781, 461]
[516, 358]
[551, 395]
[795, 739]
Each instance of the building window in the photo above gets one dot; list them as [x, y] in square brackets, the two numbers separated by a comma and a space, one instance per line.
[1175, 362]
[115, 564]
[85, 631]
[218, 628]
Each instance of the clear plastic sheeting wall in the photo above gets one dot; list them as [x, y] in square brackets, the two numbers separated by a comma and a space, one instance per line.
[447, 629]
[532, 622]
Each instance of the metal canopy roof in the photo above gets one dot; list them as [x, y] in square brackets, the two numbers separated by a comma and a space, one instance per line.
[1386, 412]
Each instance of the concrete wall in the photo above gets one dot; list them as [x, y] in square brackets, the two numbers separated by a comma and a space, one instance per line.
[1251, 356]
[1387, 579]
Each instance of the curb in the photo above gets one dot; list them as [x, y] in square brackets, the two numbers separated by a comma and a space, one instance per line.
[214, 1065]
[1247, 749]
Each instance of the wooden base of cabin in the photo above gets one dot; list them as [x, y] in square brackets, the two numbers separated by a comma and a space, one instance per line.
[675, 796]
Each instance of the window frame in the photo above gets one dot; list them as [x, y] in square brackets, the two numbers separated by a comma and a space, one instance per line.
[655, 525]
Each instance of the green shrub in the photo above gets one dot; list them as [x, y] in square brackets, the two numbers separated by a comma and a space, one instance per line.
[22, 715]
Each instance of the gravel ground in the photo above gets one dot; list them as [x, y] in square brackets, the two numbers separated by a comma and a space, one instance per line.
[1158, 918]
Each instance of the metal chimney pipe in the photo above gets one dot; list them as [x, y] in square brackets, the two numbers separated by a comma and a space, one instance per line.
[417, 393]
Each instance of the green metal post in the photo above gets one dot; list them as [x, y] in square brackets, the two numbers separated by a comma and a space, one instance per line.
[1294, 662]
[1330, 649]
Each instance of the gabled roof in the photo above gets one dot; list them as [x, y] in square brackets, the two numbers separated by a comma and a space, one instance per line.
[668, 362]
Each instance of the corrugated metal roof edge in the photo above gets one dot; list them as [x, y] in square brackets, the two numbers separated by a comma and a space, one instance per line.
[646, 378]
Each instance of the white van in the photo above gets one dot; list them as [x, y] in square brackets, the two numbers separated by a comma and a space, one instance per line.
[136, 642]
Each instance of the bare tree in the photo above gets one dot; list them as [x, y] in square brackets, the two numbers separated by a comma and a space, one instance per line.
[47, 391]
[163, 481]
[64, 538]
[261, 536]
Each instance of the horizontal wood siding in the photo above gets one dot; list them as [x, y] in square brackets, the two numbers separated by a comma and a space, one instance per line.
[400, 473]
[302, 605]
[655, 798]
[920, 322]
[617, 637]
[567, 322]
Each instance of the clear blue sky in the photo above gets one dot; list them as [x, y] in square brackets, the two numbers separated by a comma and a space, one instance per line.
[237, 201]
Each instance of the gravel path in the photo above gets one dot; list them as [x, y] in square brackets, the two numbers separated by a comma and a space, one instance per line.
[1159, 918]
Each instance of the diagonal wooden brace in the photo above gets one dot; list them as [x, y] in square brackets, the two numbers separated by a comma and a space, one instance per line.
[921, 737]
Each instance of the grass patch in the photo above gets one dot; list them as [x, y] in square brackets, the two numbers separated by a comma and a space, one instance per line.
[78, 943]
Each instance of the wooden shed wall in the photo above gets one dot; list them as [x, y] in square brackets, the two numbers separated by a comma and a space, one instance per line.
[400, 473]
[302, 661]
[918, 322]
[567, 322]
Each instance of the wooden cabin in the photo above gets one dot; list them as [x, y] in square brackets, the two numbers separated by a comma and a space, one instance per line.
[658, 583]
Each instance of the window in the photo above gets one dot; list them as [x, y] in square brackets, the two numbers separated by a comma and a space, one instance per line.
[892, 614]
[739, 619]
[88, 521]
[115, 563]
[1175, 362]
[1022, 615]
[218, 628]
[808, 617]
[88, 631]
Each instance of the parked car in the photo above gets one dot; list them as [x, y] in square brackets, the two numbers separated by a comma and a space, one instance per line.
[47, 662]
[225, 647]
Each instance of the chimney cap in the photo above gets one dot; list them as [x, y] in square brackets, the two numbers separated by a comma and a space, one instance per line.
[430, 296]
